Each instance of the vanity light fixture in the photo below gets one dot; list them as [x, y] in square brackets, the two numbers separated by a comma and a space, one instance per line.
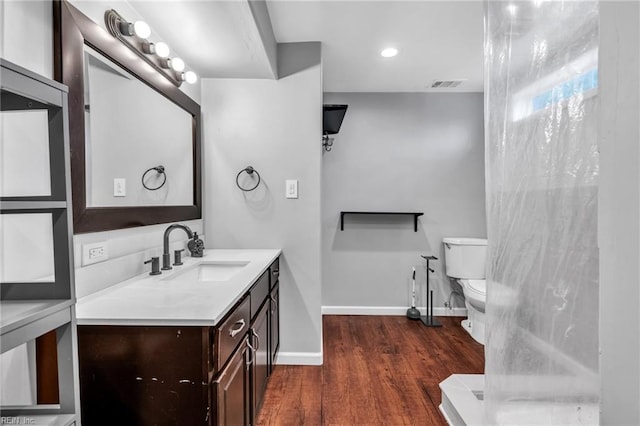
[141, 29]
[148, 47]
[177, 64]
[162, 49]
[190, 77]
[134, 36]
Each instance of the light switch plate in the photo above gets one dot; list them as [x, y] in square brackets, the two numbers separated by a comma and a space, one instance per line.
[119, 187]
[291, 188]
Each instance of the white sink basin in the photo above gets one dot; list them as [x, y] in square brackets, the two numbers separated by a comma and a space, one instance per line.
[214, 271]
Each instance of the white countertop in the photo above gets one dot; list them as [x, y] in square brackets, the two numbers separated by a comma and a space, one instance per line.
[161, 300]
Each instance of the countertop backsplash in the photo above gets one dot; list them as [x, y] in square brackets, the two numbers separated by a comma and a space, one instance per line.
[127, 250]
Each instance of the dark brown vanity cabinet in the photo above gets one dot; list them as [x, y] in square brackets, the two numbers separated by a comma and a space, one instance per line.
[175, 375]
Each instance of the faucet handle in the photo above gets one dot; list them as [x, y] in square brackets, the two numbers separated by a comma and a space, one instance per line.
[155, 265]
[177, 257]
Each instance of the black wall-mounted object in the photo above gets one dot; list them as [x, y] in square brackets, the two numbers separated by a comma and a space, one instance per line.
[414, 214]
[332, 116]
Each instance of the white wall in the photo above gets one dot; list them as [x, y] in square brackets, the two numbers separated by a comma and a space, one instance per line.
[619, 213]
[274, 126]
[420, 152]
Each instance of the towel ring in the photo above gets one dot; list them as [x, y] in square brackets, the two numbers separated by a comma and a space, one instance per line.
[160, 170]
[249, 170]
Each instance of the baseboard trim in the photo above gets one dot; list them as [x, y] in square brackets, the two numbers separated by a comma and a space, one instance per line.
[389, 310]
[299, 358]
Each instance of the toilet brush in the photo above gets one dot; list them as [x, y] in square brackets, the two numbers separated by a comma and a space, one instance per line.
[412, 312]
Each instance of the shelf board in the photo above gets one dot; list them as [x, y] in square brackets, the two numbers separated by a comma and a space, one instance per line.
[21, 321]
[414, 214]
[28, 418]
[32, 205]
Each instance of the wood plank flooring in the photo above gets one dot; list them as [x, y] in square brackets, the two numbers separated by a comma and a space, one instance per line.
[378, 370]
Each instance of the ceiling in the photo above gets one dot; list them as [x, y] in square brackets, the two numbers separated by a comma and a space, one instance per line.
[437, 40]
[217, 39]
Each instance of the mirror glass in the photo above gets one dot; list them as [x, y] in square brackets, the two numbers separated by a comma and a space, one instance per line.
[131, 130]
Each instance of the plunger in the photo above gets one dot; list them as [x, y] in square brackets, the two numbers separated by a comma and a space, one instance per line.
[412, 312]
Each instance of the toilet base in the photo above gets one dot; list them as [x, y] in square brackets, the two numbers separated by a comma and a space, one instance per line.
[474, 324]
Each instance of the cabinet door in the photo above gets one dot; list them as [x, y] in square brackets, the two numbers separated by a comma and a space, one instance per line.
[274, 322]
[260, 368]
[231, 391]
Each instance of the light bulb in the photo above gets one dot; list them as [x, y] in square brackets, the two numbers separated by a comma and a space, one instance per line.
[177, 64]
[162, 50]
[389, 52]
[142, 29]
[190, 77]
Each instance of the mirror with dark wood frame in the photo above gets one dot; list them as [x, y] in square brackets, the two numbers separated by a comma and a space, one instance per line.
[73, 31]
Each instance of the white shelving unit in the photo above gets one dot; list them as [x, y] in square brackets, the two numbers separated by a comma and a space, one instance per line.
[30, 309]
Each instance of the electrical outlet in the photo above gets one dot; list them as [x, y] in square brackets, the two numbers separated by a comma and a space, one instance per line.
[94, 253]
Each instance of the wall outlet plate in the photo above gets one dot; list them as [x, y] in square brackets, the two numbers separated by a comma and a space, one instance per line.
[94, 253]
[291, 188]
[119, 187]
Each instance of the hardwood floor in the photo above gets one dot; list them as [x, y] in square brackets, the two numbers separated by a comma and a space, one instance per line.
[377, 371]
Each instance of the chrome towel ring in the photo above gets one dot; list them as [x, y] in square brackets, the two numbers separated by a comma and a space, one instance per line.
[160, 170]
[250, 171]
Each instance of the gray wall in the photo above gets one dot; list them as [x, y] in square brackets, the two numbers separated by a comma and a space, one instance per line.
[274, 126]
[619, 213]
[399, 152]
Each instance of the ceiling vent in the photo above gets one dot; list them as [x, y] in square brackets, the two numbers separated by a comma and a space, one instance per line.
[446, 84]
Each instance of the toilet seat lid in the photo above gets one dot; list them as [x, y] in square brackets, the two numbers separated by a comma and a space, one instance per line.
[478, 285]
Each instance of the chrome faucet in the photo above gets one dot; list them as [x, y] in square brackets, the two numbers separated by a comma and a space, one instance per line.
[166, 257]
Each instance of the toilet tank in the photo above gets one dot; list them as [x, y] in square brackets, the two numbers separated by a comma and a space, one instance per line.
[465, 257]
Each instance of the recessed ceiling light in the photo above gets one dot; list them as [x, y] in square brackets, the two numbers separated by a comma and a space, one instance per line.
[389, 52]
[513, 9]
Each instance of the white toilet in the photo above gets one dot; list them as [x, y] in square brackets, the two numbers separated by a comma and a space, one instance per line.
[465, 260]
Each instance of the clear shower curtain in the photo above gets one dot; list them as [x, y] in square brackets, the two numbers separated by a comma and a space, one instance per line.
[542, 174]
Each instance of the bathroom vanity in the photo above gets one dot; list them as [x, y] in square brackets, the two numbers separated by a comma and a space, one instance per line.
[193, 346]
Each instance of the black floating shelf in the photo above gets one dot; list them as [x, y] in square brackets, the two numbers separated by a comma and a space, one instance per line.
[414, 214]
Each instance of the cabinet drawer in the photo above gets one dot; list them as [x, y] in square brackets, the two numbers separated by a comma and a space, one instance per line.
[231, 332]
[274, 271]
[230, 396]
[259, 293]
